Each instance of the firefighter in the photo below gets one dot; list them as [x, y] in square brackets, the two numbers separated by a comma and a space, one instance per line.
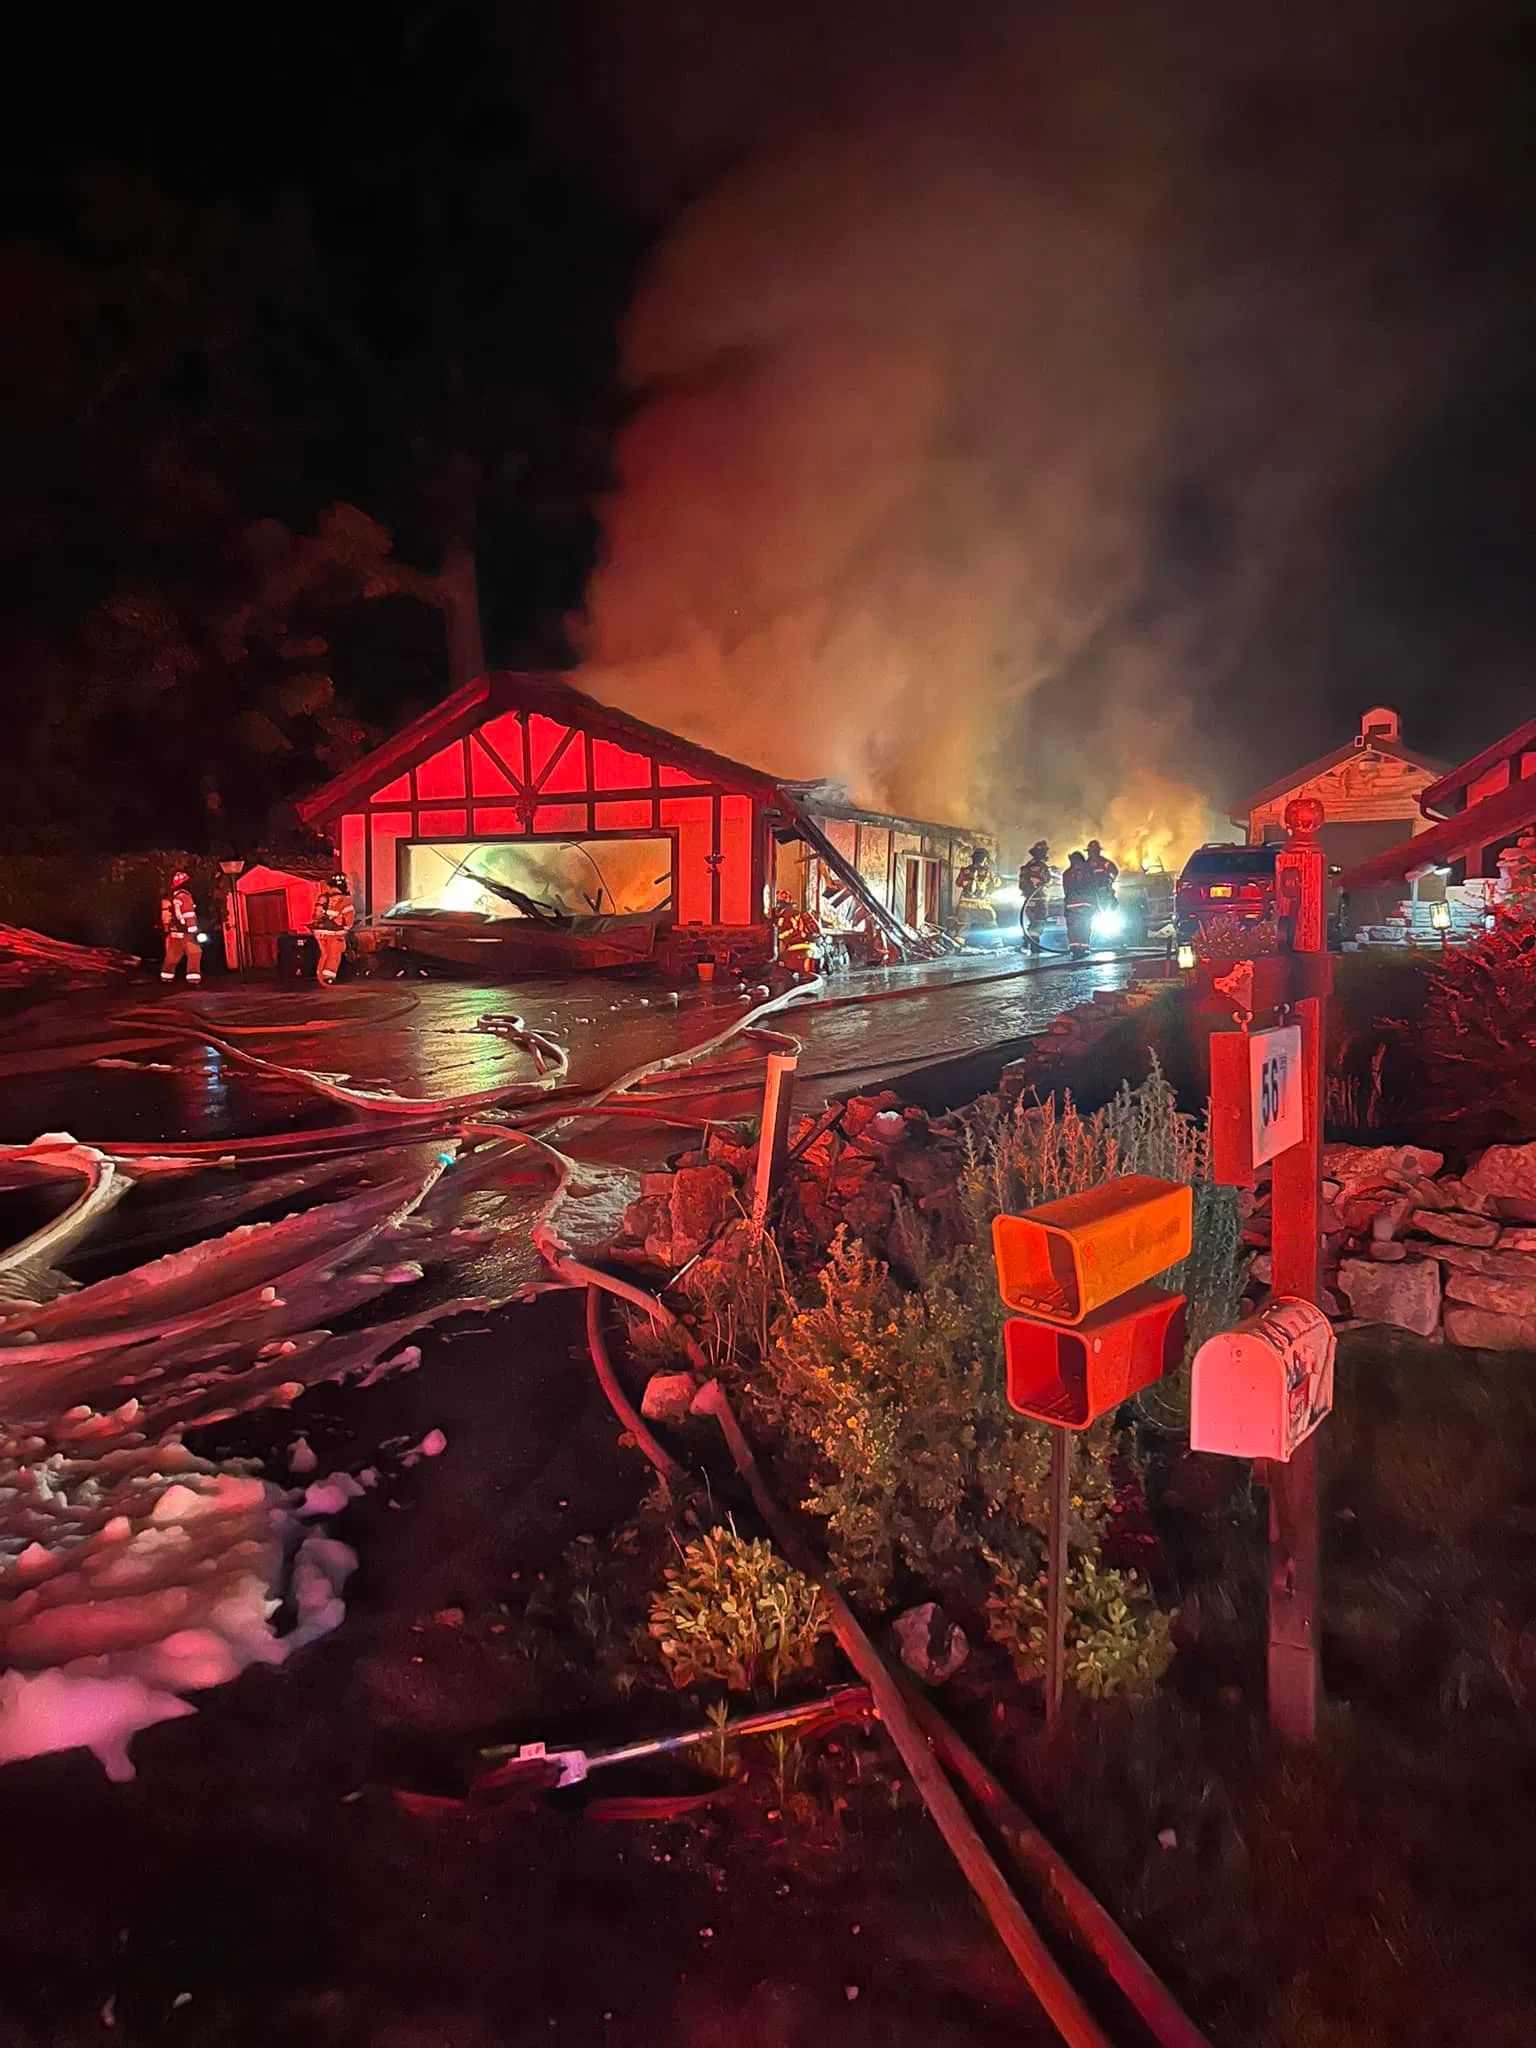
[183, 940]
[335, 915]
[1034, 887]
[975, 881]
[798, 935]
[1105, 874]
[1081, 892]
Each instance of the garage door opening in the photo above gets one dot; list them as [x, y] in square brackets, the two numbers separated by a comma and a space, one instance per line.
[537, 879]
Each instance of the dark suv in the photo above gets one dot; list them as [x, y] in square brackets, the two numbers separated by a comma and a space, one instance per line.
[1222, 884]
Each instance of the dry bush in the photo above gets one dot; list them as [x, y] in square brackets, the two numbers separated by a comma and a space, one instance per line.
[1479, 1030]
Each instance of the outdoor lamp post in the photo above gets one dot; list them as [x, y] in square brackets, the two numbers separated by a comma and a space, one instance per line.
[231, 871]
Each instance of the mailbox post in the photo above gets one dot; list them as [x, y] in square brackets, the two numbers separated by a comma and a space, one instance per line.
[1295, 1210]
[1267, 1106]
[1091, 1332]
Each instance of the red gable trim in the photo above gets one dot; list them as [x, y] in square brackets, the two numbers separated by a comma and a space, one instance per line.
[489, 695]
[1449, 787]
[1496, 817]
[449, 720]
[1242, 813]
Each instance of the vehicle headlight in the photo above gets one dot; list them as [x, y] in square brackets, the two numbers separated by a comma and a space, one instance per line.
[1108, 924]
[1010, 896]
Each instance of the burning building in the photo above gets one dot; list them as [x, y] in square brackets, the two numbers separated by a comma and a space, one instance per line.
[521, 823]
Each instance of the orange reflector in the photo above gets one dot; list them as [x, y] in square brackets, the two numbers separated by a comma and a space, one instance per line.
[1066, 1259]
[1072, 1377]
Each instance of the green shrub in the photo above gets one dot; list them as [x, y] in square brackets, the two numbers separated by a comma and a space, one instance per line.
[896, 1398]
[1118, 1640]
[732, 1610]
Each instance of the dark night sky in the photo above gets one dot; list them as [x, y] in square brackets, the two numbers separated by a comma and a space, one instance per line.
[497, 178]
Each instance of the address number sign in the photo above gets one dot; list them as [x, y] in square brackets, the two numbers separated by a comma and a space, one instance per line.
[1275, 1072]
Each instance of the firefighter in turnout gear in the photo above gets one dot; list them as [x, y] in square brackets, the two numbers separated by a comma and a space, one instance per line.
[799, 935]
[974, 883]
[1034, 887]
[183, 940]
[1081, 891]
[1105, 874]
[335, 915]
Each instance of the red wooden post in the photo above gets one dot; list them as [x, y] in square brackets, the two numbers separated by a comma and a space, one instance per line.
[1295, 1250]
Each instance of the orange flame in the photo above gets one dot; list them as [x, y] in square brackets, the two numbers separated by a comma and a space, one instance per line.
[1156, 821]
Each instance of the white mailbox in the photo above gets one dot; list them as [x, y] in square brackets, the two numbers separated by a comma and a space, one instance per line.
[1261, 1389]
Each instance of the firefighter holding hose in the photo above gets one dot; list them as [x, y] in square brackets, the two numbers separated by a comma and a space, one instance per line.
[1105, 874]
[1034, 887]
[183, 940]
[335, 915]
[1080, 889]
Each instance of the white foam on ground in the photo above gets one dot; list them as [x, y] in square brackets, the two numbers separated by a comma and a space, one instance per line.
[108, 1619]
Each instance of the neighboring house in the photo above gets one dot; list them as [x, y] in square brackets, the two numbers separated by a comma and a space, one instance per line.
[1370, 791]
[518, 791]
[1476, 811]
[1507, 762]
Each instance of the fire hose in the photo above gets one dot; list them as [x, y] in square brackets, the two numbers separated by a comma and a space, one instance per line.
[900, 1718]
[914, 1727]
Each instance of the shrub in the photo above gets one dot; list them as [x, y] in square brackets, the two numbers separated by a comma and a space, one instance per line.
[1118, 1640]
[897, 1399]
[734, 1611]
[1479, 1026]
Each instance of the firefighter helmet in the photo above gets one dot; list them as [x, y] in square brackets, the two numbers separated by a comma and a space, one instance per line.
[1039, 850]
[1094, 849]
[179, 877]
[339, 881]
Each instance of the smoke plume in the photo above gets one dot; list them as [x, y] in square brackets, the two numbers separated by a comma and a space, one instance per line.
[1002, 375]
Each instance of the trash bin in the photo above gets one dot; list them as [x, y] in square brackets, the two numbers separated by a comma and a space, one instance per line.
[297, 956]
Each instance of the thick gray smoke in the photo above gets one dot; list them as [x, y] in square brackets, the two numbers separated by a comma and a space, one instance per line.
[999, 386]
